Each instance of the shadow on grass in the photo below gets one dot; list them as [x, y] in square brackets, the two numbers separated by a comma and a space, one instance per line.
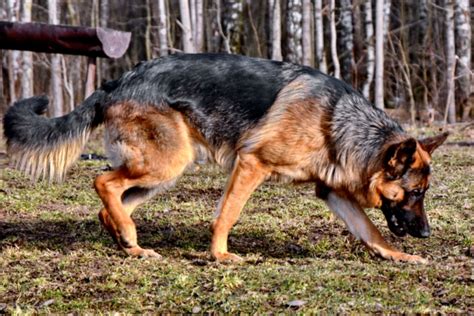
[68, 235]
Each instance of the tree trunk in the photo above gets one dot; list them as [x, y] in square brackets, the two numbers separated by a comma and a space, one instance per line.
[3, 94]
[450, 114]
[199, 27]
[233, 24]
[386, 18]
[27, 63]
[307, 36]
[56, 83]
[75, 64]
[319, 30]
[275, 13]
[379, 29]
[187, 33]
[369, 33]
[162, 28]
[102, 70]
[13, 56]
[332, 22]
[294, 34]
[463, 50]
[148, 34]
[347, 57]
[360, 45]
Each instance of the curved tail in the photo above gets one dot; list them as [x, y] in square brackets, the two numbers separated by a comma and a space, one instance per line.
[46, 148]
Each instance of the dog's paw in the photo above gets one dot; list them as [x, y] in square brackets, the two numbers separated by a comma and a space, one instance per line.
[227, 257]
[404, 257]
[142, 253]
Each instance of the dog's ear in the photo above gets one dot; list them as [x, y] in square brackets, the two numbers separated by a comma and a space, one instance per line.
[431, 143]
[399, 156]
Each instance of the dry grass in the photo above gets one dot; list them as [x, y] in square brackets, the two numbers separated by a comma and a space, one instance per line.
[55, 258]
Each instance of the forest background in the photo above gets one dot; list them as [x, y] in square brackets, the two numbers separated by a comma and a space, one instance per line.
[420, 72]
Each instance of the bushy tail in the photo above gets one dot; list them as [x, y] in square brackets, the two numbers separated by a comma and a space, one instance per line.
[46, 148]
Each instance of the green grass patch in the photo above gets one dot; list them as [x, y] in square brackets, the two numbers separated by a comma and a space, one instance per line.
[55, 258]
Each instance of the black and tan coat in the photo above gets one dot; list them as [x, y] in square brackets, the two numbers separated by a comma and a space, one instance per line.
[259, 119]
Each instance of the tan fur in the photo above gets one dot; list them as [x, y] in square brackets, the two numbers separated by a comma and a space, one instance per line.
[150, 148]
[46, 163]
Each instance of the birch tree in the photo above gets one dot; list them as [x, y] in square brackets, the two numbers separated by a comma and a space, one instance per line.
[387, 5]
[188, 43]
[56, 84]
[379, 30]
[294, 27]
[275, 16]
[347, 57]
[162, 28]
[306, 36]
[3, 101]
[463, 51]
[233, 24]
[369, 39]
[450, 114]
[198, 27]
[319, 30]
[13, 56]
[27, 57]
[332, 22]
[103, 22]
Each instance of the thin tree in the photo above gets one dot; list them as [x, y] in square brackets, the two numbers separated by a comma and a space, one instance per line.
[56, 83]
[103, 22]
[275, 13]
[232, 24]
[199, 26]
[306, 28]
[347, 58]
[186, 28]
[162, 28]
[450, 114]
[148, 31]
[294, 34]
[379, 27]
[319, 30]
[369, 39]
[332, 22]
[463, 51]
[27, 57]
[386, 18]
[3, 102]
[13, 56]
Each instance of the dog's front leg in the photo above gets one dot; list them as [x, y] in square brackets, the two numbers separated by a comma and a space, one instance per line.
[246, 176]
[363, 228]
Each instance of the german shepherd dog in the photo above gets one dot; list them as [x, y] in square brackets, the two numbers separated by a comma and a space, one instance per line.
[259, 119]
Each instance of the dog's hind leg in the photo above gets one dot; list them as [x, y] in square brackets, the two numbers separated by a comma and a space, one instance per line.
[363, 228]
[131, 199]
[151, 149]
[247, 175]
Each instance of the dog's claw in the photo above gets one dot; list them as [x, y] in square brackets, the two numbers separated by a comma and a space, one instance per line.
[228, 257]
[142, 253]
[404, 257]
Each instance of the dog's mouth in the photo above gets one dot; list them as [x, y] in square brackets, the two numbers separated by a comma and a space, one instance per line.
[395, 220]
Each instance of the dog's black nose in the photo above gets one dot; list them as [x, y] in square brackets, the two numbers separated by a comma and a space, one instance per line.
[425, 232]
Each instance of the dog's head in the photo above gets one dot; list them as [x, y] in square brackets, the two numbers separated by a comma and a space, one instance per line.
[403, 182]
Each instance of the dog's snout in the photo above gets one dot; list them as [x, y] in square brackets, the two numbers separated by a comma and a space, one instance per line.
[425, 232]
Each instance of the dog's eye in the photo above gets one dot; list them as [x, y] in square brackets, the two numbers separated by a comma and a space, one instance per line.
[417, 192]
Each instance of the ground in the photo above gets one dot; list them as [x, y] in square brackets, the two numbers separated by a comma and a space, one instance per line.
[55, 257]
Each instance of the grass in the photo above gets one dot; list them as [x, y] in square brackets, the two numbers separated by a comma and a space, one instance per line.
[55, 258]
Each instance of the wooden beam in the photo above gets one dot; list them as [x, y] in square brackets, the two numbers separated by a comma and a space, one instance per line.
[63, 39]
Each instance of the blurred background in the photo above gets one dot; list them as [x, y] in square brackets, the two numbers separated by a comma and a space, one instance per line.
[424, 48]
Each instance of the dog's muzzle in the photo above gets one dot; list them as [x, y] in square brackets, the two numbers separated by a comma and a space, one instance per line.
[402, 222]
